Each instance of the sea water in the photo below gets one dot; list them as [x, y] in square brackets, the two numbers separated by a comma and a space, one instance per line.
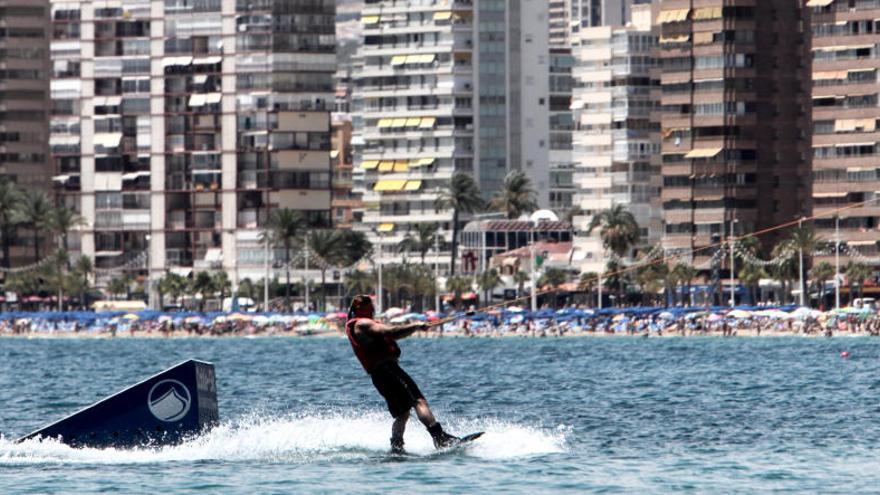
[569, 415]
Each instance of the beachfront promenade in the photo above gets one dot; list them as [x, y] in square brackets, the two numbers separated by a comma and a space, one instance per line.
[511, 322]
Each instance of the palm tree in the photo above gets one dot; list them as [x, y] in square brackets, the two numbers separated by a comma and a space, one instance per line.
[285, 227]
[649, 282]
[35, 211]
[820, 274]
[325, 243]
[618, 229]
[82, 271]
[685, 274]
[354, 246]
[203, 285]
[554, 277]
[359, 282]
[488, 281]
[246, 288]
[174, 285]
[803, 239]
[750, 274]
[221, 283]
[517, 196]
[786, 270]
[458, 285]
[857, 273]
[10, 198]
[62, 220]
[462, 196]
[117, 286]
[419, 239]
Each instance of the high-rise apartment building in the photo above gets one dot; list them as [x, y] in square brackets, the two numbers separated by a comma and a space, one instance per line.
[562, 187]
[846, 60]
[445, 87]
[24, 104]
[179, 125]
[593, 13]
[735, 119]
[614, 138]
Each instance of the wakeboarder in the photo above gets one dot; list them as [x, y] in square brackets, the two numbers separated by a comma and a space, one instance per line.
[375, 345]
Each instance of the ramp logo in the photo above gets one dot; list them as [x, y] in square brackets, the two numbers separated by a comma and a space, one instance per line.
[169, 400]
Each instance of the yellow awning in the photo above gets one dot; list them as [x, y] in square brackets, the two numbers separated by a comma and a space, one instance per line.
[829, 195]
[677, 15]
[413, 122]
[413, 185]
[413, 59]
[424, 162]
[427, 58]
[398, 60]
[428, 123]
[826, 75]
[703, 153]
[389, 185]
[370, 19]
[819, 3]
[398, 123]
[370, 164]
[849, 125]
[707, 13]
[385, 122]
[674, 39]
[386, 166]
[401, 166]
[442, 16]
[334, 153]
[385, 227]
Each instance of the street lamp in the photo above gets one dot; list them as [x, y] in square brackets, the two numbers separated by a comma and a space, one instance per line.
[733, 221]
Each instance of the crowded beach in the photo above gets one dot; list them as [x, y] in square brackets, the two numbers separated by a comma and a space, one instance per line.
[751, 321]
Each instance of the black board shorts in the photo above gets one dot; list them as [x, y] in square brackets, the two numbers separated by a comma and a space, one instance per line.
[397, 387]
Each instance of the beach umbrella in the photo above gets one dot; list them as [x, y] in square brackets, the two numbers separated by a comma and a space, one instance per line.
[131, 317]
[515, 309]
[666, 315]
[739, 313]
[714, 317]
[394, 312]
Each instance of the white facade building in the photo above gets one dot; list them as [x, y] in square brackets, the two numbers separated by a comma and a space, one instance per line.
[613, 140]
[443, 87]
[182, 124]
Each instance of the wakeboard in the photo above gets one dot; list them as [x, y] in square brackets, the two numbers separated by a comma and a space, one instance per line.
[464, 441]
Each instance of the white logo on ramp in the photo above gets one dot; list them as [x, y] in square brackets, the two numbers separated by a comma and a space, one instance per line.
[169, 400]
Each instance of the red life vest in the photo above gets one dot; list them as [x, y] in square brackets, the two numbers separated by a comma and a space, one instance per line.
[377, 351]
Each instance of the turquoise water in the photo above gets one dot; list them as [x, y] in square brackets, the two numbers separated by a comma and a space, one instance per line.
[609, 415]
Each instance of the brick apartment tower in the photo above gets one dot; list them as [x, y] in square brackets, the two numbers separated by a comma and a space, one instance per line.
[735, 119]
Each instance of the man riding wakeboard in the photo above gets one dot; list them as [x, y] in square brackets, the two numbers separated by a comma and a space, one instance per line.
[376, 348]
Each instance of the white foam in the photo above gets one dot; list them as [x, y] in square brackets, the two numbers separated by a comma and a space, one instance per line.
[299, 438]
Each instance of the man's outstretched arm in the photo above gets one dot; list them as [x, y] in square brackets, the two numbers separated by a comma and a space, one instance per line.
[396, 332]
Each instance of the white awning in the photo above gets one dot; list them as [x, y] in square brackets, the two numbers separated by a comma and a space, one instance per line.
[64, 139]
[819, 3]
[214, 255]
[181, 271]
[207, 61]
[197, 100]
[135, 175]
[105, 101]
[61, 178]
[211, 98]
[205, 172]
[168, 62]
[200, 78]
[108, 139]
